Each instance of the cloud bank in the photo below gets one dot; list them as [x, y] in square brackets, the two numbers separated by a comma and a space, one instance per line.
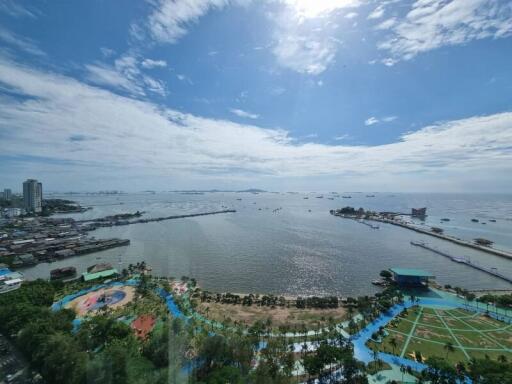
[61, 121]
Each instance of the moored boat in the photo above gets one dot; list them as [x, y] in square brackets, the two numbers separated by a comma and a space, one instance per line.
[62, 273]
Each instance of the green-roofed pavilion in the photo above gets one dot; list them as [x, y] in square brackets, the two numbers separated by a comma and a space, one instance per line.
[98, 275]
[411, 277]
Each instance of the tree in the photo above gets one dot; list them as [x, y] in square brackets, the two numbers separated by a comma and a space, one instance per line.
[448, 347]
[385, 274]
[393, 343]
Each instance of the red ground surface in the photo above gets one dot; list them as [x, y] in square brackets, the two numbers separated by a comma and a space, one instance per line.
[143, 325]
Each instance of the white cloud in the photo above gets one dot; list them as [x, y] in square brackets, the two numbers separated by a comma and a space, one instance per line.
[14, 9]
[386, 24]
[317, 8]
[137, 140]
[341, 137]
[300, 45]
[126, 75]
[351, 15]
[107, 52]
[170, 18]
[371, 121]
[374, 120]
[149, 63]
[20, 42]
[245, 114]
[377, 13]
[389, 62]
[304, 54]
[431, 24]
[104, 75]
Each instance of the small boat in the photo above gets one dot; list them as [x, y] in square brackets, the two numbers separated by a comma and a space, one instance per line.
[347, 197]
[459, 260]
[305, 198]
[330, 198]
[379, 282]
[492, 220]
[370, 195]
[62, 273]
[474, 220]
[445, 219]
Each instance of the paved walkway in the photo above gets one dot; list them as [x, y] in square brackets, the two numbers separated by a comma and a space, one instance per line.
[391, 374]
[407, 341]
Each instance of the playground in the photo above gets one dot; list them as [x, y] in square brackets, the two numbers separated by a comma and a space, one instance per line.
[109, 297]
[455, 334]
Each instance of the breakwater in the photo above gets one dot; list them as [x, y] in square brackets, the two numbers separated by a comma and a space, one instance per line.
[93, 224]
[490, 271]
[464, 243]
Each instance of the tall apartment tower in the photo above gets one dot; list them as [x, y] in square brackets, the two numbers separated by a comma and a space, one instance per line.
[7, 194]
[33, 195]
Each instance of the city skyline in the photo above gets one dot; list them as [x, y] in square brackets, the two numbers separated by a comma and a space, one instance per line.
[281, 95]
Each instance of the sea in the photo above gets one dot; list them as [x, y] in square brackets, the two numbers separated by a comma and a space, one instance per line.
[289, 244]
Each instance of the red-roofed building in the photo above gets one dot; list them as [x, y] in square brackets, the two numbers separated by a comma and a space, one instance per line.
[143, 325]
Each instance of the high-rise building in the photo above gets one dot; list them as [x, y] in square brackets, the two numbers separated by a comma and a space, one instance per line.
[7, 194]
[33, 195]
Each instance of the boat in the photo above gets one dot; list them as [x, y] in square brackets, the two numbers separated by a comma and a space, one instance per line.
[346, 197]
[445, 219]
[370, 195]
[380, 283]
[492, 220]
[62, 273]
[305, 198]
[319, 197]
[330, 198]
[474, 220]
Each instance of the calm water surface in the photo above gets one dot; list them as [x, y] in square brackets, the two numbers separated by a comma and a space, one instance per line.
[301, 248]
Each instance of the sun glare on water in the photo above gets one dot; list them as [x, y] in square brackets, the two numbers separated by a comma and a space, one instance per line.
[316, 8]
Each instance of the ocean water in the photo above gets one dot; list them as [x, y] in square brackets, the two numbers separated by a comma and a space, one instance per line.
[299, 249]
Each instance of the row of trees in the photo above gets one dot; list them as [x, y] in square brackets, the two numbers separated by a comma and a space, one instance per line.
[269, 300]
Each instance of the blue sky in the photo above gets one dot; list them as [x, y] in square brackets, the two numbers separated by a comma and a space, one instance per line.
[279, 94]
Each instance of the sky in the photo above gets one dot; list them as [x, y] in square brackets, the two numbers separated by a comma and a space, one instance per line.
[289, 95]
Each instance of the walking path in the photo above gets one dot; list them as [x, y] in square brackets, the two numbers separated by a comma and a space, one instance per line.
[406, 344]
[452, 334]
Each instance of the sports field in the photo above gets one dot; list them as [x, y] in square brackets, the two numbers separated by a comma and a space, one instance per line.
[429, 330]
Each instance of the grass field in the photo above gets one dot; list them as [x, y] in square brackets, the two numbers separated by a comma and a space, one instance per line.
[429, 330]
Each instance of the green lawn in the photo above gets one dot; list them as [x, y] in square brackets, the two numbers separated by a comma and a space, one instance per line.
[474, 334]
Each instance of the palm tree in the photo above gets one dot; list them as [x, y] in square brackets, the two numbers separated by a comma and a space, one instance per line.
[375, 353]
[393, 343]
[502, 358]
[449, 348]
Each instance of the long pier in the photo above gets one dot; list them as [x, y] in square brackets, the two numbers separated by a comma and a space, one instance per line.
[490, 271]
[368, 224]
[464, 243]
[114, 223]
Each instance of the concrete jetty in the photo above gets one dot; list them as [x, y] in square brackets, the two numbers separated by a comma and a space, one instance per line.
[93, 224]
[464, 243]
[490, 271]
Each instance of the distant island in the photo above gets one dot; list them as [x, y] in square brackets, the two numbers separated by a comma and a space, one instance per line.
[250, 190]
